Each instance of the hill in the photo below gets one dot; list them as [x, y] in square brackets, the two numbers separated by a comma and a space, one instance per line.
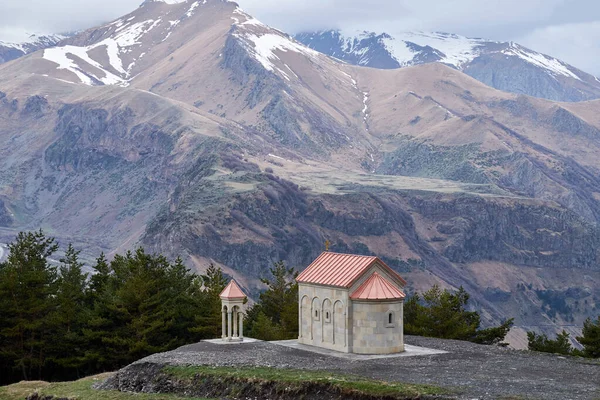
[507, 373]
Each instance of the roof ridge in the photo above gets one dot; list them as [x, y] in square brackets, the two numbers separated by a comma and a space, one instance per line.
[342, 270]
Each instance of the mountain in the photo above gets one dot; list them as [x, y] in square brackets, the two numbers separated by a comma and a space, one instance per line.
[193, 129]
[33, 42]
[506, 66]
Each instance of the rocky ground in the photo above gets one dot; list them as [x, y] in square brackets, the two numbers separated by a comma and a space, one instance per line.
[474, 371]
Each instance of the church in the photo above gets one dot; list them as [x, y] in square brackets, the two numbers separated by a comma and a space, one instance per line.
[352, 304]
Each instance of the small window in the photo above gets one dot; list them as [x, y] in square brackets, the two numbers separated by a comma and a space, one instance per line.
[390, 320]
[327, 317]
[316, 315]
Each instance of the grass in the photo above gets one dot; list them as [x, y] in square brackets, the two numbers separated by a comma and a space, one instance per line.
[78, 390]
[299, 378]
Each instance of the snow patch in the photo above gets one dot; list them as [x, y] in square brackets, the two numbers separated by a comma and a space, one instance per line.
[274, 156]
[60, 56]
[195, 5]
[263, 48]
[456, 50]
[551, 64]
[167, 1]
[253, 21]
[125, 37]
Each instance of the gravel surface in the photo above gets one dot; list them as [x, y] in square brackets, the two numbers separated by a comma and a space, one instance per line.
[475, 371]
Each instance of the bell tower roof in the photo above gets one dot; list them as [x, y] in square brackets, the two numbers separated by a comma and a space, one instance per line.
[232, 292]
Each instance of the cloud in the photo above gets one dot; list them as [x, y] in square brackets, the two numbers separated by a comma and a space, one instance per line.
[398, 15]
[577, 44]
[60, 15]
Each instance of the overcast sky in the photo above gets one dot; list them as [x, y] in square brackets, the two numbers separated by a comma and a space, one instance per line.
[567, 29]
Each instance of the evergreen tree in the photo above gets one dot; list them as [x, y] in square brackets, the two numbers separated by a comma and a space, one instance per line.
[265, 329]
[590, 338]
[493, 335]
[541, 343]
[27, 289]
[100, 297]
[443, 314]
[100, 279]
[279, 303]
[67, 321]
[208, 321]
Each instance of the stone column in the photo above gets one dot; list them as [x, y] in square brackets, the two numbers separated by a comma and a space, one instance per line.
[235, 322]
[223, 324]
[241, 326]
[229, 324]
[300, 319]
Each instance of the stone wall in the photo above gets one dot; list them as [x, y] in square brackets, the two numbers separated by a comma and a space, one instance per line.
[372, 332]
[323, 317]
[329, 319]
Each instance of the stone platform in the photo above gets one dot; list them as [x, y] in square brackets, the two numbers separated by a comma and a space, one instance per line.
[410, 351]
[221, 341]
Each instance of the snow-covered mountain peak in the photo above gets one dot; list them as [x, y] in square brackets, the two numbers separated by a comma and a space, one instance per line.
[492, 62]
[112, 53]
[31, 40]
[24, 43]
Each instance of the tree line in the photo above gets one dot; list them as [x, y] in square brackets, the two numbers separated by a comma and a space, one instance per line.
[589, 340]
[59, 323]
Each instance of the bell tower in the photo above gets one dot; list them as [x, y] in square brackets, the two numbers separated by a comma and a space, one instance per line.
[232, 311]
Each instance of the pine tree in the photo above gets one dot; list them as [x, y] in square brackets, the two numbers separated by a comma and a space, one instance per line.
[71, 311]
[100, 297]
[27, 289]
[279, 303]
[208, 321]
[443, 314]
[590, 338]
[541, 343]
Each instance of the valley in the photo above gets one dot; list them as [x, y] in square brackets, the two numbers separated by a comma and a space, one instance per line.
[194, 130]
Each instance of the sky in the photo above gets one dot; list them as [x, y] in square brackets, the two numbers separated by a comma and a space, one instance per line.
[566, 29]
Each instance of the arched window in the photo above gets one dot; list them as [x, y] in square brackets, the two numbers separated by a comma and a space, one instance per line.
[390, 319]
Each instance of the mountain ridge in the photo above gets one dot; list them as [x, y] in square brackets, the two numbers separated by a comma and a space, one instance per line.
[497, 64]
[229, 142]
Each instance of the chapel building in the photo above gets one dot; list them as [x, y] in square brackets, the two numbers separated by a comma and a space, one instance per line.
[352, 304]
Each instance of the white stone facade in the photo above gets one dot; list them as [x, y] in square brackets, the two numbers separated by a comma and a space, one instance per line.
[329, 318]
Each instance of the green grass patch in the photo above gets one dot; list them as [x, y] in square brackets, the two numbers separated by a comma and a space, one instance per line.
[78, 390]
[299, 378]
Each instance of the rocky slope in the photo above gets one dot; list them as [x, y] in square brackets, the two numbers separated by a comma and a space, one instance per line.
[193, 129]
[505, 66]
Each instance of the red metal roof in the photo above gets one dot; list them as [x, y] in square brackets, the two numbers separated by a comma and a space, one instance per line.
[377, 288]
[232, 291]
[342, 270]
